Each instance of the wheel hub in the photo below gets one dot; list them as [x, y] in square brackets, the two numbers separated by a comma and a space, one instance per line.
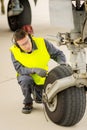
[53, 103]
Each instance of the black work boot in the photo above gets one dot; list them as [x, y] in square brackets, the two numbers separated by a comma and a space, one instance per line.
[27, 108]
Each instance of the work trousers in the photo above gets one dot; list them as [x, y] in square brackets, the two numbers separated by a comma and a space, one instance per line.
[27, 86]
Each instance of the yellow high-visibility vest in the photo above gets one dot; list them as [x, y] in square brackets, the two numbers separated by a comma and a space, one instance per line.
[39, 58]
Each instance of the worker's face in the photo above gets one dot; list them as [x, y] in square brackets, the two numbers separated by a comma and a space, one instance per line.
[25, 44]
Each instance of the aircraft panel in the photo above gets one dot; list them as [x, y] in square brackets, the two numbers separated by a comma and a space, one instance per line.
[61, 13]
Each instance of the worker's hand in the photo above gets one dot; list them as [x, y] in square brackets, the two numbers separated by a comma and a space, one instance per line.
[40, 72]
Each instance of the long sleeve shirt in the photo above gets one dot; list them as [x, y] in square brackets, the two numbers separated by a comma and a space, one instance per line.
[55, 54]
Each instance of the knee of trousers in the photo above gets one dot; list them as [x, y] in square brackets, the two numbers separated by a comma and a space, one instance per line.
[25, 81]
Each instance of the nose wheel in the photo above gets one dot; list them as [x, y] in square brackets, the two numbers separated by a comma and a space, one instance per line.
[68, 106]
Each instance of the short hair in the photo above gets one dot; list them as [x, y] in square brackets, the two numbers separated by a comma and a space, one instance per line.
[19, 34]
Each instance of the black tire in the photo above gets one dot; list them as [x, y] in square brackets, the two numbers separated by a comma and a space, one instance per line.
[71, 102]
[24, 18]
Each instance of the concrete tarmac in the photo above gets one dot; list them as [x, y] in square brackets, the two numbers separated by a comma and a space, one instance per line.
[11, 96]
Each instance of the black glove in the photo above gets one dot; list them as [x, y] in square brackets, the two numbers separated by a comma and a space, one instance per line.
[40, 72]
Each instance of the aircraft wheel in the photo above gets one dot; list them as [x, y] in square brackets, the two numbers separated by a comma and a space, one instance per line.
[22, 19]
[68, 106]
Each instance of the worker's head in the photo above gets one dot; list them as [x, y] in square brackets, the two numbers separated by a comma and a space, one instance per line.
[23, 40]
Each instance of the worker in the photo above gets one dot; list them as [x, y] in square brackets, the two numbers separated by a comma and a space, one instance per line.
[30, 56]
